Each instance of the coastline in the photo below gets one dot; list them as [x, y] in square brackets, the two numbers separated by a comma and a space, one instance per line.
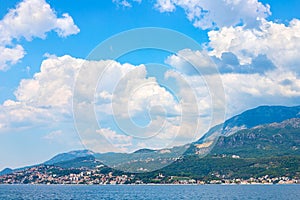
[150, 184]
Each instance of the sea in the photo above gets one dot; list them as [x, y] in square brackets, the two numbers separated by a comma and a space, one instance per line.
[84, 192]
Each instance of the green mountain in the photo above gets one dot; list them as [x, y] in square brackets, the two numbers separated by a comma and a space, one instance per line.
[275, 139]
[253, 117]
[64, 157]
[261, 141]
[270, 149]
[261, 115]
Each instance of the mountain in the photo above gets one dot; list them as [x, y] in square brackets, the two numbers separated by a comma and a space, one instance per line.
[6, 171]
[275, 139]
[263, 136]
[259, 116]
[63, 157]
[149, 160]
[68, 159]
[79, 162]
[270, 149]
[143, 160]
[248, 119]
[254, 117]
[144, 151]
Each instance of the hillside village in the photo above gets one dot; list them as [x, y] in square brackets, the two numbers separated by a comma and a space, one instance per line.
[55, 175]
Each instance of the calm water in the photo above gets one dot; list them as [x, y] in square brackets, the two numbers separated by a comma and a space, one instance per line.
[150, 192]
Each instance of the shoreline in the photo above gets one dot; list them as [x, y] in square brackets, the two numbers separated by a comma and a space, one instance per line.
[150, 184]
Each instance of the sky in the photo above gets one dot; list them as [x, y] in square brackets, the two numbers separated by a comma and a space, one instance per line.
[120, 75]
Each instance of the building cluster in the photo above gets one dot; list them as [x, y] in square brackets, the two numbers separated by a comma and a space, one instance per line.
[57, 175]
[261, 180]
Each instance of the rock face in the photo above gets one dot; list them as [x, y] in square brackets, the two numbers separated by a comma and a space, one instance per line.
[259, 116]
[249, 119]
[275, 139]
[252, 118]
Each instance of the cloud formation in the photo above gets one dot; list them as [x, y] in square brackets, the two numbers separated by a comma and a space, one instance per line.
[46, 100]
[246, 86]
[279, 42]
[207, 14]
[30, 19]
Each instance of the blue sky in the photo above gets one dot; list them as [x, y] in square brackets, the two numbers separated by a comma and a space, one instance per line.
[255, 45]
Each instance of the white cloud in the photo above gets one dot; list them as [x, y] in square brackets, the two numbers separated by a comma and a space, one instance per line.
[165, 5]
[279, 42]
[191, 62]
[10, 56]
[30, 19]
[207, 14]
[119, 141]
[52, 86]
[136, 93]
[34, 18]
[257, 85]
[46, 100]
[243, 91]
[125, 3]
[175, 131]
[16, 115]
[219, 13]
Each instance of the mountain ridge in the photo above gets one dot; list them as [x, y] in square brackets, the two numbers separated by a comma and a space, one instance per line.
[263, 116]
[251, 118]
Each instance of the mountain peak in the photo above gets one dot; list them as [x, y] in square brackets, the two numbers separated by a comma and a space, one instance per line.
[144, 151]
[69, 156]
[251, 118]
[6, 171]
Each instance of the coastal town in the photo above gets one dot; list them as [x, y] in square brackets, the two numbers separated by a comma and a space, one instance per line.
[43, 174]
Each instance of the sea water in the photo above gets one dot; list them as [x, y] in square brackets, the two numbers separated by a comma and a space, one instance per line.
[84, 192]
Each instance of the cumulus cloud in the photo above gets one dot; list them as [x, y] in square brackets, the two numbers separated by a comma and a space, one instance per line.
[47, 96]
[210, 14]
[245, 86]
[144, 110]
[139, 93]
[123, 92]
[207, 14]
[52, 87]
[191, 62]
[30, 19]
[10, 55]
[257, 59]
[280, 43]
[44, 98]
[229, 63]
[198, 62]
[244, 91]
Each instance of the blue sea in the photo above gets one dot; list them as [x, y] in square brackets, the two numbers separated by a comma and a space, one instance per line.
[84, 192]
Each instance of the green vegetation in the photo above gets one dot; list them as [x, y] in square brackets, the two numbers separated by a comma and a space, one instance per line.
[272, 150]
